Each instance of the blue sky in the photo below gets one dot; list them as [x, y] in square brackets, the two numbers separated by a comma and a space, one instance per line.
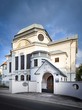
[61, 18]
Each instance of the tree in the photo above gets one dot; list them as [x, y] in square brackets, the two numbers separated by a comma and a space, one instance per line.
[79, 73]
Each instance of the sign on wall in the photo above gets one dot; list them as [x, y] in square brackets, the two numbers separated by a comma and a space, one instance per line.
[25, 84]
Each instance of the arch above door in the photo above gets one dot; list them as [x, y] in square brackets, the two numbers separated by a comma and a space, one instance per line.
[48, 83]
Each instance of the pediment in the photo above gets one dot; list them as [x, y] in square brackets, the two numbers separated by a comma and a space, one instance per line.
[23, 43]
[48, 67]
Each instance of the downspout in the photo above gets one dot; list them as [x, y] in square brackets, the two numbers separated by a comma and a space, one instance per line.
[28, 82]
[70, 58]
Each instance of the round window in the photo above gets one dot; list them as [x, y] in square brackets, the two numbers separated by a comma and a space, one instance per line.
[76, 86]
[40, 37]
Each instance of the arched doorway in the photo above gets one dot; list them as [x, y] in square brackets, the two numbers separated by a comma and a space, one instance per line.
[48, 83]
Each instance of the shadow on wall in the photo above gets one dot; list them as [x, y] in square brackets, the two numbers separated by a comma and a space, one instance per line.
[73, 89]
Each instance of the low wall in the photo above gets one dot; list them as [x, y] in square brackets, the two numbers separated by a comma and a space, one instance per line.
[16, 87]
[21, 86]
[73, 89]
[32, 86]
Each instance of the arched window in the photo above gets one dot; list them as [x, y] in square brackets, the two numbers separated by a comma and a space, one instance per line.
[16, 78]
[22, 77]
[28, 77]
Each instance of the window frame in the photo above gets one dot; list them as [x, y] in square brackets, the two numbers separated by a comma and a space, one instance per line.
[10, 67]
[22, 61]
[28, 61]
[16, 62]
[35, 62]
[22, 77]
[16, 78]
[56, 59]
[28, 77]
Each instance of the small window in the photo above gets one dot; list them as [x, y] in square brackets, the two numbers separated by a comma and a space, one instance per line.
[28, 61]
[22, 62]
[16, 63]
[36, 62]
[28, 77]
[16, 78]
[56, 74]
[9, 67]
[56, 59]
[40, 37]
[22, 77]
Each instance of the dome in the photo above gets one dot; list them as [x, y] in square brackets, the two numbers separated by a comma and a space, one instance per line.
[30, 27]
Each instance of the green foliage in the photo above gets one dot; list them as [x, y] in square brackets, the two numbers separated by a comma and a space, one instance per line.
[79, 73]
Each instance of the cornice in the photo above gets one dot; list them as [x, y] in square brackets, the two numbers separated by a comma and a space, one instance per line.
[31, 45]
[75, 37]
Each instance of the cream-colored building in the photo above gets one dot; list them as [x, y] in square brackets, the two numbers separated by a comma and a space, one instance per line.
[35, 57]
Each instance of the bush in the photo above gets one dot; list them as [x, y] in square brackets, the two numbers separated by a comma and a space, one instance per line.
[3, 86]
[79, 73]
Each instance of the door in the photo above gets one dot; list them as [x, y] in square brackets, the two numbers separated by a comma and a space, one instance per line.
[50, 84]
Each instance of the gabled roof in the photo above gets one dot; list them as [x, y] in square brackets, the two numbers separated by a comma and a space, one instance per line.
[5, 63]
[60, 72]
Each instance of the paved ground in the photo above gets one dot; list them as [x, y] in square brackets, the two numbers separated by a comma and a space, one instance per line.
[45, 97]
[16, 103]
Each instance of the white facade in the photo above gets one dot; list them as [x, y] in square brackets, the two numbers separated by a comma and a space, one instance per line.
[0, 74]
[5, 74]
[39, 61]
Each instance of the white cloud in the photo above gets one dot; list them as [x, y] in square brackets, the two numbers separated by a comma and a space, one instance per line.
[57, 32]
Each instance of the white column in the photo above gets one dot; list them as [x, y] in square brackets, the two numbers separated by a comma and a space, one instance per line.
[18, 77]
[13, 63]
[24, 77]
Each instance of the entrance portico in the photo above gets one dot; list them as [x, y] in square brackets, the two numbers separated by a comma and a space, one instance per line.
[48, 83]
[46, 77]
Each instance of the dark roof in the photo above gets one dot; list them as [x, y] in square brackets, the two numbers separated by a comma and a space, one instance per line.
[5, 63]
